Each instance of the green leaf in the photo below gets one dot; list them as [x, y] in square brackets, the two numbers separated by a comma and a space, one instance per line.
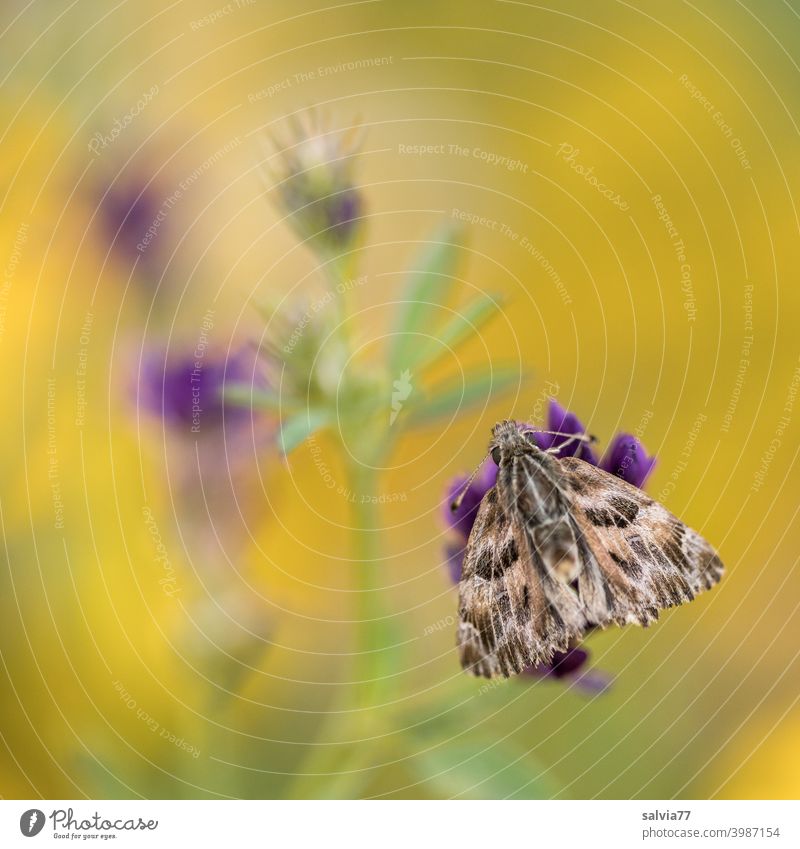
[432, 274]
[230, 672]
[479, 769]
[445, 400]
[461, 326]
[99, 770]
[265, 310]
[299, 426]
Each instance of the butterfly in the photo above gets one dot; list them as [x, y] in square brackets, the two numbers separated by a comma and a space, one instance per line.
[559, 547]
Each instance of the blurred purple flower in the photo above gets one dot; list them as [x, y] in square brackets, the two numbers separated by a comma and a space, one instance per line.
[570, 665]
[187, 392]
[312, 170]
[454, 551]
[462, 520]
[625, 458]
[128, 210]
[333, 219]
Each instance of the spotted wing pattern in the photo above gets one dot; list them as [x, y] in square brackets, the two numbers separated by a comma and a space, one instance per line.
[498, 601]
[637, 558]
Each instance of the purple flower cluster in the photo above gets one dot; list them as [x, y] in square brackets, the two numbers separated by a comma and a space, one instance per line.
[313, 173]
[625, 458]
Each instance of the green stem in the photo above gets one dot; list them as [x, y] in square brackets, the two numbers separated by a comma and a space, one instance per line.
[370, 624]
[335, 773]
[336, 273]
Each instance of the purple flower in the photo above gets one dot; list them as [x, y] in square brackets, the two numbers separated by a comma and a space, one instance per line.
[625, 458]
[570, 665]
[463, 519]
[313, 173]
[333, 219]
[129, 208]
[346, 211]
[563, 664]
[187, 392]
[454, 558]
[564, 422]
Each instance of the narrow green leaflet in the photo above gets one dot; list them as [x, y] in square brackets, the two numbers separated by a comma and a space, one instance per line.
[245, 396]
[299, 426]
[461, 327]
[430, 282]
[442, 401]
[101, 769]
[265, 310]
[230, 672]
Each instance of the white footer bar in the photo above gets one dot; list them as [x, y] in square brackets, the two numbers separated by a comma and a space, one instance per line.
[406, 824]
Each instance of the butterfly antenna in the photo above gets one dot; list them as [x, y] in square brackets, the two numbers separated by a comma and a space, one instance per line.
[456, 502]
[583, 437]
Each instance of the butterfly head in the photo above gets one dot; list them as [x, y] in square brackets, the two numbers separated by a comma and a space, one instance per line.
[509, 440]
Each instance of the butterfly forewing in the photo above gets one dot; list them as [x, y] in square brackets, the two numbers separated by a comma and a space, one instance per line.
[648, 559]
[495, 604]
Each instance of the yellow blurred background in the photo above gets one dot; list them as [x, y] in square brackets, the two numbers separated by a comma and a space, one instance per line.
[628, 172]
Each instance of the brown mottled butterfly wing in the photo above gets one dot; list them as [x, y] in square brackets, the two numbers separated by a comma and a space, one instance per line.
[559, 547]
[638, 557]
[515, 609]
[484, 605]
[499, 597]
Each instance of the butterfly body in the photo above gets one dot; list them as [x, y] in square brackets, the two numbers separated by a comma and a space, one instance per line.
[559, 547]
